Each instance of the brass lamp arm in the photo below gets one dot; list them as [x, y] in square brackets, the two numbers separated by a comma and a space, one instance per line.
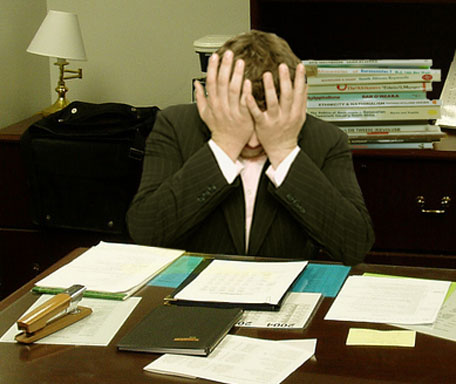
[61, 63]
[77, 76]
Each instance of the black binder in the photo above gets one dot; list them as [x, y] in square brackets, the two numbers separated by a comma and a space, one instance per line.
[181, 330]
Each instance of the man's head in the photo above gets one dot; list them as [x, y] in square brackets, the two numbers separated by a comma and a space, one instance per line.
[262, 52]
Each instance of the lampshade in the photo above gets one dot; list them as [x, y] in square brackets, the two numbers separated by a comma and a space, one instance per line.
[59, 36]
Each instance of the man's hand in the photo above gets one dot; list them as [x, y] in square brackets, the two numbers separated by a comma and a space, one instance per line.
[224, 110]
[278, 126]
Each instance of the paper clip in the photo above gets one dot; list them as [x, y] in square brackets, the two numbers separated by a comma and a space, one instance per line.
[53, 315]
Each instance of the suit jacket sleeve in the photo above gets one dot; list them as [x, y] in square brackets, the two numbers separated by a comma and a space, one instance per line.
[181, 182]
[322, 193]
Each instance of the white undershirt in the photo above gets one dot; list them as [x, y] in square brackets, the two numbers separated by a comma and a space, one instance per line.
[250, 171]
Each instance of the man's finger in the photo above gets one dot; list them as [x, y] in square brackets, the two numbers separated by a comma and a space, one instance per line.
[236, 84]
[211, 77]
[270, 93]
[300, 83]
[224, 75]
[201, 101]
[286, 88]
[246, 90]
[255, 111]
[300, 88]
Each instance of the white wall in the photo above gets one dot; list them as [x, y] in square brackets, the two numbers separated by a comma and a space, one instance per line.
[140, 52]
[24, 78]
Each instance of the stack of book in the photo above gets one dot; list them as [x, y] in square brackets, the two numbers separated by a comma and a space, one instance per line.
[378, 103]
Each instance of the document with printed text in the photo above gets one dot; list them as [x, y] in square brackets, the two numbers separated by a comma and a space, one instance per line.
[112, 268]
[294, 313]
[240, 360]
[445, 324]
[247, 282]
[389, 300]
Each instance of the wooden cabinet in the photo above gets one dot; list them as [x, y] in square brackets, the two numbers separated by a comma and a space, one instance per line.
[411, 196]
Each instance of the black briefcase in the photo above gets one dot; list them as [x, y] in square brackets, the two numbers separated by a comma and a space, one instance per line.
[84, 164]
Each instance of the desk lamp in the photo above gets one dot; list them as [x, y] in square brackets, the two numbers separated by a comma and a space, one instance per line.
[60, 36]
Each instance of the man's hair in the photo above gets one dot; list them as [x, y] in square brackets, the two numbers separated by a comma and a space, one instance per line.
[262, 52]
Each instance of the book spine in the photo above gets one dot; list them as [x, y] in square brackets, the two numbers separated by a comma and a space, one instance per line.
[390, 141]
[367, 96]
[398, 63]
[359, 88]
[372, 103]
[340, 71]
[372, 114]
[418, 145]
[401, 136]
[374, 79]
[391, 128]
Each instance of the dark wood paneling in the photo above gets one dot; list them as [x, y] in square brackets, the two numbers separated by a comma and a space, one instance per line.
[362, 29]
[14, 194]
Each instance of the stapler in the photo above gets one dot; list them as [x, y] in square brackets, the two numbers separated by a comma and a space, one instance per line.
[53, 315]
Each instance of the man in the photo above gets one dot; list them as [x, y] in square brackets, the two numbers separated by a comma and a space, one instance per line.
[246, 171]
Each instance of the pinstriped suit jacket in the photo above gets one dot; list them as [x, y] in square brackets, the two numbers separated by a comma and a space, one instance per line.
[185, 202]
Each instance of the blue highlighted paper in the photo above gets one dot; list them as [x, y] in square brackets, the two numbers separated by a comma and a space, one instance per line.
[326, 279]
[177, 272]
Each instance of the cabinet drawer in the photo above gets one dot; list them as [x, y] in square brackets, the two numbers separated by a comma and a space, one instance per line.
[14, 193]
[406, 199]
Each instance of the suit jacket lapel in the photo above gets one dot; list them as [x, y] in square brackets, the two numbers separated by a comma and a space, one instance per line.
[233, 207]
[264, 213]
[234, 211]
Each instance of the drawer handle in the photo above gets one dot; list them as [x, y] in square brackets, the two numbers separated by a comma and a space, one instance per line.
[444, 204]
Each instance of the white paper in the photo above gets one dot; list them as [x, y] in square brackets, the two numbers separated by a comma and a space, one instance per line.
[389, 300]
[448, 98]
[445, 325]
[294, 313]
[97, 329]
[112, 267]
[242, 282]
[240, 360]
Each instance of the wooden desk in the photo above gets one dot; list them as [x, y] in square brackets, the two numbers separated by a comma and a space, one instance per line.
[430, 361]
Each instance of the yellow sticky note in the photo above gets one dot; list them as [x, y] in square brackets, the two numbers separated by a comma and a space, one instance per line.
[393, 338]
